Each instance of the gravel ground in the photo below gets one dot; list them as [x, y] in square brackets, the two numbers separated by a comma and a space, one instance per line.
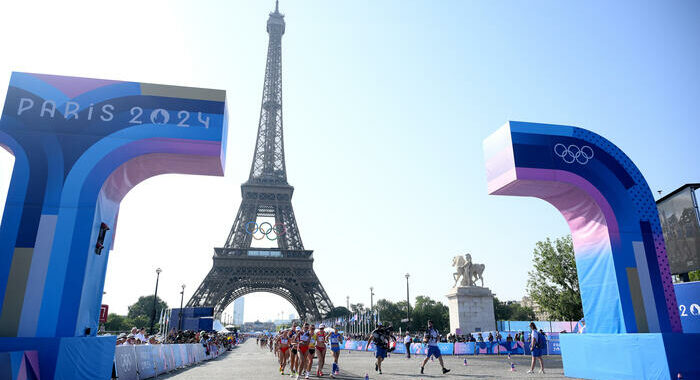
[250, 362]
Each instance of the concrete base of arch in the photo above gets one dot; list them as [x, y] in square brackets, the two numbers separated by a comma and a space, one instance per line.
[631, 356]
[68, 358]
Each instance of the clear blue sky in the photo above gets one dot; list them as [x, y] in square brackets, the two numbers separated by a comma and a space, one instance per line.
[386, 104]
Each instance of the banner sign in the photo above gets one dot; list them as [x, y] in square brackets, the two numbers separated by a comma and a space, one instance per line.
[144, 361]
[464, 348]
[553, 344]
[688, 296]
[125, 363]
[159, 358]
[104, 310]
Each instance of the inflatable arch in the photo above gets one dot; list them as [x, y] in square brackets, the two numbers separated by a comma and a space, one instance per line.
[80, 145]
[621, 261]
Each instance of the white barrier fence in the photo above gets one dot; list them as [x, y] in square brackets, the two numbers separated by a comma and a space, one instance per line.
[147, 361]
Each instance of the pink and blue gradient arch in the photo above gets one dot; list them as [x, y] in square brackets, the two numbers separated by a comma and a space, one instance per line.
[80, 145]
[620, 253]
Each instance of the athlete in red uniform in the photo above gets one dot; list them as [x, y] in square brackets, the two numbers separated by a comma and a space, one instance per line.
[321, 337]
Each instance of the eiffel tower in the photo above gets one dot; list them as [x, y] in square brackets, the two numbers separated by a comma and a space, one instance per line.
[288, 269]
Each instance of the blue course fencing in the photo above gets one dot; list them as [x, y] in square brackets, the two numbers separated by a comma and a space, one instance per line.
[146, 361]
[465, 348]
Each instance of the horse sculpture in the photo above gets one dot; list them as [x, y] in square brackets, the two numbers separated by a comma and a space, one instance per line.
[467, 271]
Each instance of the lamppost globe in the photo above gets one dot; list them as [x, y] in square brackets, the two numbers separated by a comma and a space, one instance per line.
[179, 316]
[408, 302]
[155, 299]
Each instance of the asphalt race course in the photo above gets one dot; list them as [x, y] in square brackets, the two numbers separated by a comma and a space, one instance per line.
[250, 362]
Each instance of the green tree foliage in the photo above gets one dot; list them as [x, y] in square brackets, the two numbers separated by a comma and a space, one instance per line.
[357, 308]
[519, 312]
[512, 312]
[500, 310]
[144, 307]
[425, 309]
[117, 322]
[339, 311]
[139, 316]
[553, 282]
[694, 275]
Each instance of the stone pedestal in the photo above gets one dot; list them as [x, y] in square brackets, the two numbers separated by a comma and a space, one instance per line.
[471, 309]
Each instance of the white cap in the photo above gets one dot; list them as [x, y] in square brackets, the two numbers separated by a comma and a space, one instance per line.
[321, 326]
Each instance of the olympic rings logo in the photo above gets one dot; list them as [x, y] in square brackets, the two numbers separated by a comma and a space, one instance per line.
[265, 229]
[573, 153]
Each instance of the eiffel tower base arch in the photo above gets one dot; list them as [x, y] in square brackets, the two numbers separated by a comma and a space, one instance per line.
[286, 273]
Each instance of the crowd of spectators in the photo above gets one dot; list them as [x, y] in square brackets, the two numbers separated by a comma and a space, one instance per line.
[137, 337]
[207, 339]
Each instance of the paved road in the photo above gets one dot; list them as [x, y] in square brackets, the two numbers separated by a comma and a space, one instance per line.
[249, 362]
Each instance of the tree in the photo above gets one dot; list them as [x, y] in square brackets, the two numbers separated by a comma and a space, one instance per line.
[425, 309]
[512, 311]
[339, 311]
[144, 307]
[519, 312]
[117, 322]
[357, 308]
[390, 313]
[500, 310]
[694, 275]
[553, 282]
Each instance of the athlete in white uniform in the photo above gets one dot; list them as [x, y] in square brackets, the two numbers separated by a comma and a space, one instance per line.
[432, 337]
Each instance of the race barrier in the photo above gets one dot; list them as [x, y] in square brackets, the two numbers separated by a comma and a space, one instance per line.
[464, 348]
[146, 361]
[546, 326]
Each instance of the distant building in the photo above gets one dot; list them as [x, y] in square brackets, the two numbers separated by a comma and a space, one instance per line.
[539, 314]
[238, 306]
[257, 326]
[282, 322]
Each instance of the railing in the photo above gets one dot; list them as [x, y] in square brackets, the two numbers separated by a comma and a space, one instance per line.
[146, 361]
[464, 348]
[258, 252]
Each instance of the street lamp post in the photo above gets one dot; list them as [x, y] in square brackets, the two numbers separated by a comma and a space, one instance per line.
[179, 318]
[371, 304]
[347, 302]
[155, 298]
[408, 303]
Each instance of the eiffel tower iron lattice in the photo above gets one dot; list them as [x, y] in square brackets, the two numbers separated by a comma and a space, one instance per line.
[287, 270]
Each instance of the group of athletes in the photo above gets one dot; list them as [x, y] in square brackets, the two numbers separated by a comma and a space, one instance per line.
[299, 345]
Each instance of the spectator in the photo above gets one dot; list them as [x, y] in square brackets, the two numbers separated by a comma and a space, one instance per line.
[536, 347]
[407, 342]
[130, 340]
[509, 338]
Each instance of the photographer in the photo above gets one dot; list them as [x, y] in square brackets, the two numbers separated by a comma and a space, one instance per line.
[381, 337]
